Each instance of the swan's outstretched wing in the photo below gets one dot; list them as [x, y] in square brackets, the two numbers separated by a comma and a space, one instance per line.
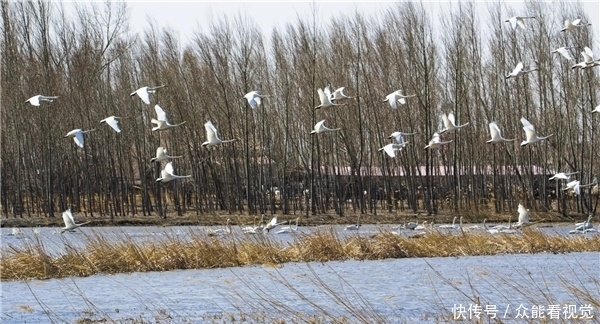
[143, 94]
[495, 130]
[68, 218]
[160, 113]
[169, 168]
[319, 125]
[451, 119]
[588, 55]
[529, 129]
[211, 132]
[114, 123]
[518, 68]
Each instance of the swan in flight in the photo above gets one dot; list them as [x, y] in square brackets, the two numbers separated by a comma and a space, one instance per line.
[564, 51]
[212, 136]
[520, 21]
[338, 94]
[254, 98]
[35, 100]
[220, 231]
[113, 121]
[530, 133]
[77, 135]
[588, 59]
[523, 216]
[397, 97]
[354, 227]
[161, 155]
[289, 228]
[496, 134]
[144, 93]
[576, 186]
[320, 128]
[571, 25]
[450, 123]
[161, 120]
[435, 142]
[70, 224]
[325, 98]
[563, 175]
[519, 70]
[453, 225]
[392, 148]
[399, 137]
[167, 174]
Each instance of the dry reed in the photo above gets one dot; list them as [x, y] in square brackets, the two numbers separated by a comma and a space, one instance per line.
[123, 255]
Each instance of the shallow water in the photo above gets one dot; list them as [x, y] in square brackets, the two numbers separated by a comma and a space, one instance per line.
[398, 290]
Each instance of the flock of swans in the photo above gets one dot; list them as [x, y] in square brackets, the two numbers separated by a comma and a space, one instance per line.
[328, 99]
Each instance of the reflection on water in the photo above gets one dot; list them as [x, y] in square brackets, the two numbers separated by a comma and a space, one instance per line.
[425, 289]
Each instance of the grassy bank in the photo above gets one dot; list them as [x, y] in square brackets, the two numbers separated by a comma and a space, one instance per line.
[108, 256]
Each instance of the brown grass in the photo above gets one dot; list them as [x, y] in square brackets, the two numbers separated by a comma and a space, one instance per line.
[123, 255]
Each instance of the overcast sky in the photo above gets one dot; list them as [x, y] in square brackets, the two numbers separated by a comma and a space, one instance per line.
[184, 17]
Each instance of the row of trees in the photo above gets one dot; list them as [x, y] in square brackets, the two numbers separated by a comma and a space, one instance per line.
[455, 62]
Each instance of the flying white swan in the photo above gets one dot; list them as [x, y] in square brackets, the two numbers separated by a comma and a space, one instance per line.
[496, 134]
[70, 224]
[523, 216]
[220, 231]
[161, 120]
[35, 100]
[338, 94]
[562, 175]
[212, 136]
[588, 60]
[354, 227]
[435, 142]
[167, 174]
[519, 70]
[520, 21]
[113, 121]
[571, 25]
[576, 186]
[399, 137]
[325, 98]
[320, 128]
[161, 155]
[564, 51]
[397, 97]
[289, 228]
[77, 135]
[392, 148]
[450, 123]
[531, 135]
[254, 98]
[144, 93]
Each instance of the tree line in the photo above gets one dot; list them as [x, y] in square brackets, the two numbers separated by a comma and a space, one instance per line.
[454, 61]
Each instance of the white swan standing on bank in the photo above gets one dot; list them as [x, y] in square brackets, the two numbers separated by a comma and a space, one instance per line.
[523, 216]
[161, 121]
[70, 224]
[35, 100]
[453, 225]
[77, 135]
[167, 174]
[212, 136]
[289, 228]
[354, 227]
[144, 93]
[271, 225]
[161, 155]
[220, 231]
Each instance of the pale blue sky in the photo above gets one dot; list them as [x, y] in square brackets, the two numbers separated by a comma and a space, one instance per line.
[185, 16]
